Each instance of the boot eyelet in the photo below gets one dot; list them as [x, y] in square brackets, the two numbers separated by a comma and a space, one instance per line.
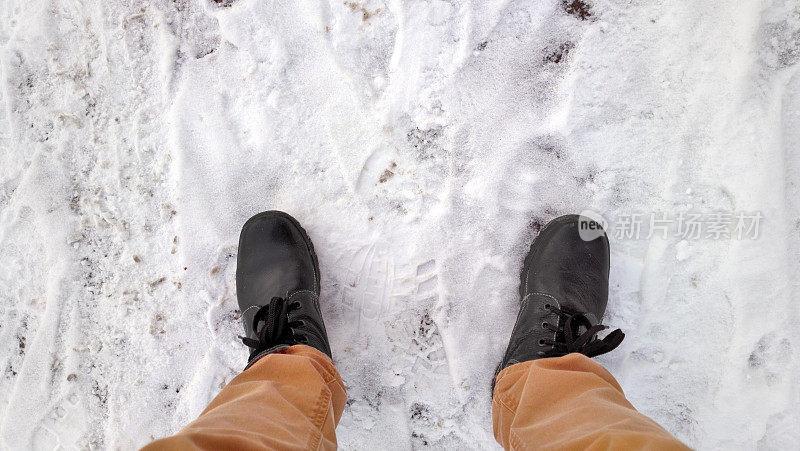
[544, 325]
[547, 306]
[541, 342]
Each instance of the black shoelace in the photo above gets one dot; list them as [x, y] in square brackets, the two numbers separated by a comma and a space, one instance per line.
[575, 333]
[272, 326]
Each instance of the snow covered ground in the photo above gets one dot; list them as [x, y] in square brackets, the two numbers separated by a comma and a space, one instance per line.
[422, 144]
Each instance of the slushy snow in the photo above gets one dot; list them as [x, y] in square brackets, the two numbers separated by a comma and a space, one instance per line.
[422, 144]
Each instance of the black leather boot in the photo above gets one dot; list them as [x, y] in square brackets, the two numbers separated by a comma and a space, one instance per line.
[277, 285]
[564, 291]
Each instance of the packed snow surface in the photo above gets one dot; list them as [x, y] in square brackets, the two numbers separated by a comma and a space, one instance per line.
[422, 144]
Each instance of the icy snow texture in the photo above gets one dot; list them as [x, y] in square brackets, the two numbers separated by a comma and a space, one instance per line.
[422, 145]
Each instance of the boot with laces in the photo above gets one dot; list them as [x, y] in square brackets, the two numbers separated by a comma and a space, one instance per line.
[563, 291]
[277, 285]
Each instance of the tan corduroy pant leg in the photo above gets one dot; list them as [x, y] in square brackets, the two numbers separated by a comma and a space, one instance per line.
[569, 402]
[288, 400]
